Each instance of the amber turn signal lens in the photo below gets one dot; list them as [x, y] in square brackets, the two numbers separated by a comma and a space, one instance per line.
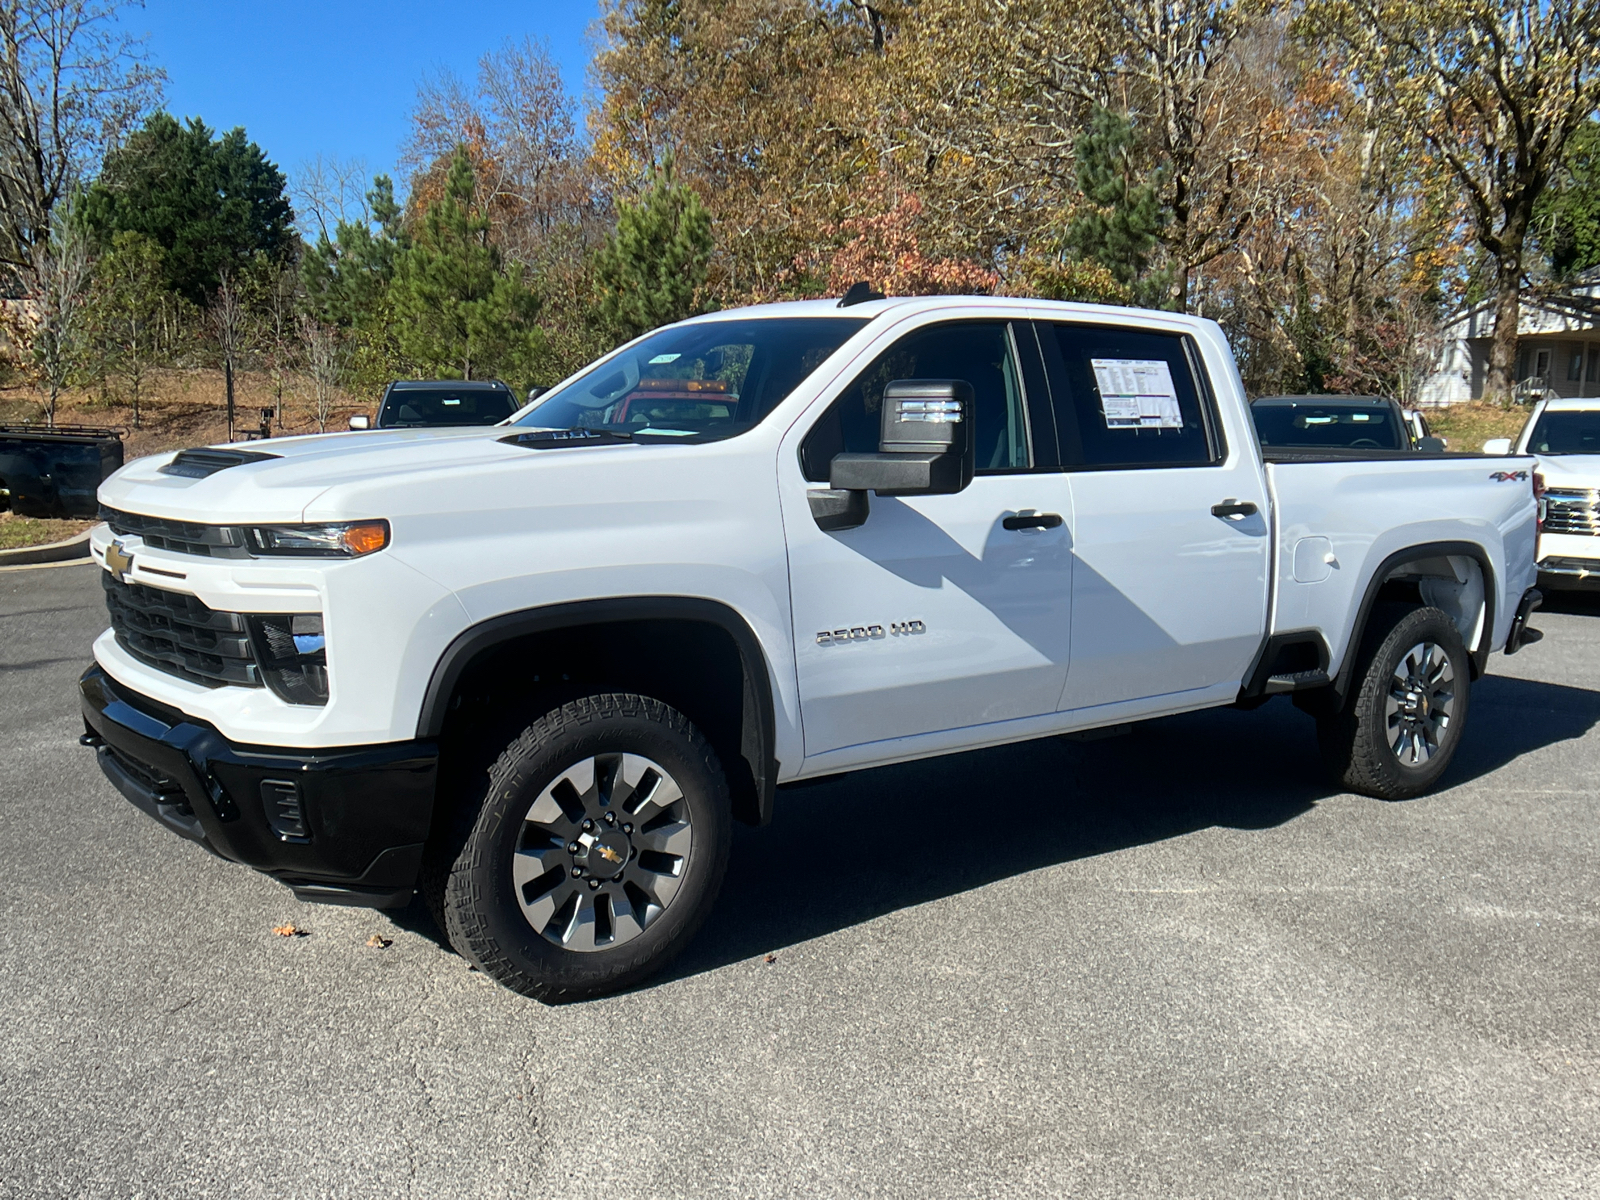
[366, 537]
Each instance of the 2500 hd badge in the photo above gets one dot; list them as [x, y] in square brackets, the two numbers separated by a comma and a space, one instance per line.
[865, 633]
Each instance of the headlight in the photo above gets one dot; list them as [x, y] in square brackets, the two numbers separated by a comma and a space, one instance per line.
[289, 649]
[347, 539]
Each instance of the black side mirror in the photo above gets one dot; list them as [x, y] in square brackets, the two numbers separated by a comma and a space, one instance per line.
[534, 393]
[925, 445]
[1430, 445]
[924, 449]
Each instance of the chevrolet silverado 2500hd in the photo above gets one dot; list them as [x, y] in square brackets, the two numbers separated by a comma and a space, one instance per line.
[537, 670]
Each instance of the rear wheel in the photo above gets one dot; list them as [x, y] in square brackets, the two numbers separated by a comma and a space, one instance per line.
[597, 851]
[1398, 731]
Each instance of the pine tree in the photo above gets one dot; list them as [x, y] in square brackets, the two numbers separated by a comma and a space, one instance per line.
[347, 277]
[652, 270]
[459, 311]
[212, 204]
[1119, 223]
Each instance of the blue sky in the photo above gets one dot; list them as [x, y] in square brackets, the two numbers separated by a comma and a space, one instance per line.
[337, 77]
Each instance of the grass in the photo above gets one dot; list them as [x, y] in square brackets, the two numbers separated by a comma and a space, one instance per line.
[18, 531]
[1469, 426]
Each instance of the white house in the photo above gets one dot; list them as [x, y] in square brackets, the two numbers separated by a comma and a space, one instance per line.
[1558, 348]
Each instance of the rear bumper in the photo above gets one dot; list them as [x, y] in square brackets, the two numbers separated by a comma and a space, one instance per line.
[342, 826]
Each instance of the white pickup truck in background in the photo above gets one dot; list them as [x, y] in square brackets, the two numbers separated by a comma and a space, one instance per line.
[536, 670]
[1563, 436]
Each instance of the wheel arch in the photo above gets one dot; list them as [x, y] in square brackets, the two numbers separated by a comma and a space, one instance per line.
[753, 740]
[1389, 571]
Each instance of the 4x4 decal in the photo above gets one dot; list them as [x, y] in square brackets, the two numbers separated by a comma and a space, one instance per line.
[1507, 476]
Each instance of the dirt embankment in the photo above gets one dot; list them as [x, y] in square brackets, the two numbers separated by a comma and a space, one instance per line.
[180, 408]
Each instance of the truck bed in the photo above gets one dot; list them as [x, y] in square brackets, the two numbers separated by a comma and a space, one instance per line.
[1337, 516]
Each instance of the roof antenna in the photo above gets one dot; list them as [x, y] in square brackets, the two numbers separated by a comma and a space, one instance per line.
[860, 292]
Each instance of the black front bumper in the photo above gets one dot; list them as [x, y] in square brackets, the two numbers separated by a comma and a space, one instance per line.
[341, 826]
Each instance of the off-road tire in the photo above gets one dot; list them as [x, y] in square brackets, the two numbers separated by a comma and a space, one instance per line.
[1355, 741]
[467, 879]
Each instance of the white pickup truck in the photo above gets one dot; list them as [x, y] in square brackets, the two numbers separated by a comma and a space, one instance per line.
[1563, 436]
[536, 670]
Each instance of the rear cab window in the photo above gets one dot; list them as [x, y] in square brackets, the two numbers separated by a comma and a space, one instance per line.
[444, 405]
[1311, 425]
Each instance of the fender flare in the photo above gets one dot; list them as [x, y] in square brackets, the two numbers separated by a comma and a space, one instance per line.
[758, 721]
[1479, 654]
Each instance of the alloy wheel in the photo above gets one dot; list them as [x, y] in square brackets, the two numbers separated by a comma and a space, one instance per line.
[1418, 707]
[602, 852]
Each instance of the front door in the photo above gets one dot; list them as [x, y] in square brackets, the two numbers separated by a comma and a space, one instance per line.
[933, 615]
[1170, 534]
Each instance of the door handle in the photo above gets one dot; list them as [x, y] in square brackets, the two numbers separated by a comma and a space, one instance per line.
[1233, 510]
[1032, 520]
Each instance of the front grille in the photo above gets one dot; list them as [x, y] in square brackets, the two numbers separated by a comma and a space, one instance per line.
[178, 634]
[179, 537]
[1572, 510]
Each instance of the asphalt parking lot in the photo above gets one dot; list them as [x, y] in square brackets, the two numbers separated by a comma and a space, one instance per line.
[1171, 964]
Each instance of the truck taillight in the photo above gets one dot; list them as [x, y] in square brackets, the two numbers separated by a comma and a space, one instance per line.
[1538, 495]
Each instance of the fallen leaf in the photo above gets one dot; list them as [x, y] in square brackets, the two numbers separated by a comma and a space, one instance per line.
[771, 958]
[379, 943]
[290, 931]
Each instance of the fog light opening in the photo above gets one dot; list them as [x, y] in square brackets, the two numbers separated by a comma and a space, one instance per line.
[280, 799]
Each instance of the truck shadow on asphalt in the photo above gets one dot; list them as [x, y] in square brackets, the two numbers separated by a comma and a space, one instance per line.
[846, 851]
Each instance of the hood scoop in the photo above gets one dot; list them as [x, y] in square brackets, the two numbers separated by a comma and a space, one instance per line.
[197, 464]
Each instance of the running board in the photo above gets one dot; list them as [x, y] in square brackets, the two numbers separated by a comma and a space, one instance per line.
[1299, 681]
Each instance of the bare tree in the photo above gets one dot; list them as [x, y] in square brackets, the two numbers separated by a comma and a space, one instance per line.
[520, 129]
[72, 83]
[328, 192]
[62, 269]
[326, 357]
[228, 319]
[1494, 91]
[279, 305]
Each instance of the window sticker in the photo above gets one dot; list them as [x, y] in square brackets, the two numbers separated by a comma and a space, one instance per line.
[665, 358]
[1137, 393]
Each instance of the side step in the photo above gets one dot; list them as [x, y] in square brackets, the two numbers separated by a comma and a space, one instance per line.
[1297, 681]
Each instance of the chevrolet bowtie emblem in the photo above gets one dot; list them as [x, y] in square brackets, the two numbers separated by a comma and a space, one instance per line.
[118, 562]
[610, 855]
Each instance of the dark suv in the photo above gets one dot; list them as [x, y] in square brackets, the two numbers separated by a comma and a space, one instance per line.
[429, 403]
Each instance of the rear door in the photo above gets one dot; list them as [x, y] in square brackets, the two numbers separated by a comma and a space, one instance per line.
[1171, 551]
[940, 612]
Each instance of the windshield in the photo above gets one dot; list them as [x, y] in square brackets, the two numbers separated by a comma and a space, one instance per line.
[714, 378]
[1327, 426]
[445, 405]
[1569, 432]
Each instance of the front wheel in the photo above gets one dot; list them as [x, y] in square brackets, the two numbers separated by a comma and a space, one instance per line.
[1399, 729]
[597, 852]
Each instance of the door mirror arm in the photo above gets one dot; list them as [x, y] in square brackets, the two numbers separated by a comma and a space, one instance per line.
[834, 509]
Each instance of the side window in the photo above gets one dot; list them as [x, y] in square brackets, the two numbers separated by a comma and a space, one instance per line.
[978, 351]
[1126, 398]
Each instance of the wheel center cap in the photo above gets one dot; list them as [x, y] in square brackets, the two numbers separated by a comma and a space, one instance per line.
[604, 853]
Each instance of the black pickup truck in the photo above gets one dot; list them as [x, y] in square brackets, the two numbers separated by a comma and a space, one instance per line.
[55, 471]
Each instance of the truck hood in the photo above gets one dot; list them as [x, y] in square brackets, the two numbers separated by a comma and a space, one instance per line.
[281, 487]
[1570, 470]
